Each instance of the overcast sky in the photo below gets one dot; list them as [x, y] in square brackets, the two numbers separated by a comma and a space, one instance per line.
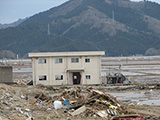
[12, 10]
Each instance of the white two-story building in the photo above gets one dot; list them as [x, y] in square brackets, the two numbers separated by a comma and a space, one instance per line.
[67, 68]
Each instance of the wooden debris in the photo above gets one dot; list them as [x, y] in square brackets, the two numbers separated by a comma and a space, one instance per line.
[102, 114]
[78, 111]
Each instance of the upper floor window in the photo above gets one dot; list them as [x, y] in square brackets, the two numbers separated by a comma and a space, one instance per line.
[58, 60]
[74, 60]
[41, 61]
[87, 60]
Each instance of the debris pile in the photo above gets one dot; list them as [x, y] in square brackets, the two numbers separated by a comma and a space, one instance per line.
[11, 103]
[116, 78]
[41, 102]
[90, 103]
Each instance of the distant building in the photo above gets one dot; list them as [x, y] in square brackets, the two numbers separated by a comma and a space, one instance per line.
[6, 74]
[67, 68]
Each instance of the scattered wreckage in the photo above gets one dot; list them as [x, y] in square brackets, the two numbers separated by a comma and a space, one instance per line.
[89, 103]
[117, 78]
[52, 103]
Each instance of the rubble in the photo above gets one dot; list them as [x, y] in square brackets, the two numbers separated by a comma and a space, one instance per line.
[128, 117]
[91, 102]
[79, 110]
[39, 103]
[117, 78]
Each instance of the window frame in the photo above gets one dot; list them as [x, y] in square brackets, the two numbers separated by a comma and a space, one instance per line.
[75, 60]
[58, 60]
[42, 61]
[88, 77]
[58, 77]
[87, 60]
[45, 77]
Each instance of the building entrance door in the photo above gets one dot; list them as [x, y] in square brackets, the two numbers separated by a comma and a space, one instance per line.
[76, 78]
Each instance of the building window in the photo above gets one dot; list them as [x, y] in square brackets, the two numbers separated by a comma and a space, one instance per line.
[42, 77]
[58, 60]
[74, 60]
[88, 77]
[59, 77]
[41, 61]
[87, 60]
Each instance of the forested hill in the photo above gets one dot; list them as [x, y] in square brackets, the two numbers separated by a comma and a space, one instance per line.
[119, 27]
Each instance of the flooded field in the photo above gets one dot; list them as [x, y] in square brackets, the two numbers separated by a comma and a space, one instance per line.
[143, 97]
[137, 69]
[22, 68]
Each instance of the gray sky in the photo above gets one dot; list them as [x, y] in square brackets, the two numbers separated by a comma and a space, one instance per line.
[12, 10]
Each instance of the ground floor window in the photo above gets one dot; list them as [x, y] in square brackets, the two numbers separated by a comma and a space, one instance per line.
[42, 77]
[58, 77]
[88, 77]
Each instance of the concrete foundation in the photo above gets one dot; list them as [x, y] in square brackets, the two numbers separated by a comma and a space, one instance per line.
[6, 74]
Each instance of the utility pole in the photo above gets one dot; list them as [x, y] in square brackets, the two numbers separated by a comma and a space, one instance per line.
[17, 56]
[48, 32]
[113, 15]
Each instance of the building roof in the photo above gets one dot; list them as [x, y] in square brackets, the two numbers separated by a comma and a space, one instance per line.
[63, 54]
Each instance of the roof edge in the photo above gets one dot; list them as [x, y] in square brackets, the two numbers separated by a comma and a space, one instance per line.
[63, 54]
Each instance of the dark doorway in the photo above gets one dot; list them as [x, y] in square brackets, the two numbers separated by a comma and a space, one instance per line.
[76, 78]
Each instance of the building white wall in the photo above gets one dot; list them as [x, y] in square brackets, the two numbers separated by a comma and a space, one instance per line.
[50, 69]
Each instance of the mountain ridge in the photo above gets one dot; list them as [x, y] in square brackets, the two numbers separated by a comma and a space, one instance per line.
[14, 24]
[79, 25]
